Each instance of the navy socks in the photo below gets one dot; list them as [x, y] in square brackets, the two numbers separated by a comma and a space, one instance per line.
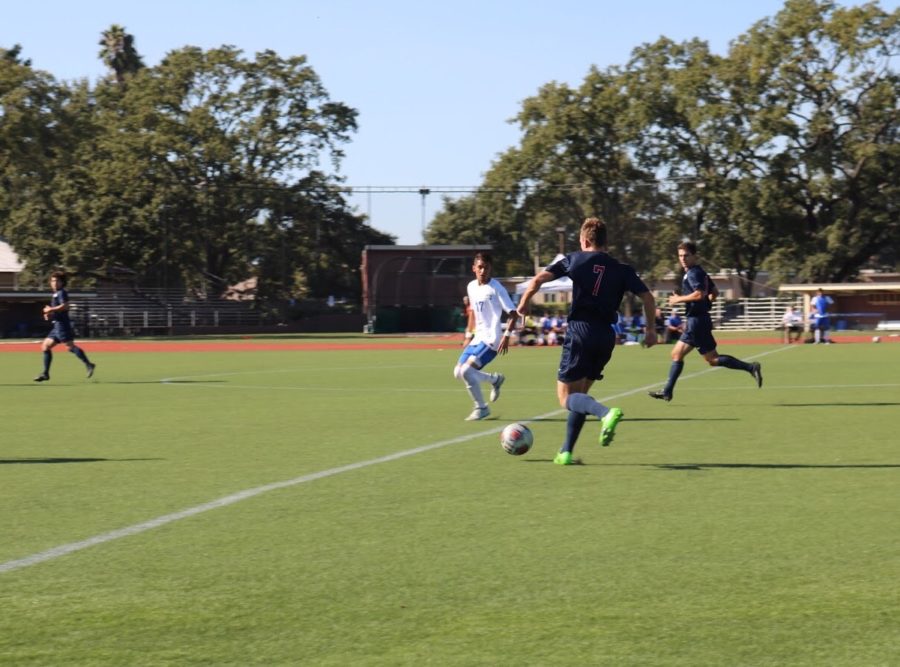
[674, 371]
[78, 352]
[731, 362]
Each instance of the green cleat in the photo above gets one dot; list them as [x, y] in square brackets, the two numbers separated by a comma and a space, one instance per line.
[609, 422]
[563, 459]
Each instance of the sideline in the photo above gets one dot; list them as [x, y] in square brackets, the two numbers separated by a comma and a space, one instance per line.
[136, 529]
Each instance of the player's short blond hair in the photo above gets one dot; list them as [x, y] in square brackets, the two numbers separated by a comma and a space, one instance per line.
[593, 230]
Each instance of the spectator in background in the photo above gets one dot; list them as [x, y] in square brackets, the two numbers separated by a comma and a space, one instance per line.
[619, 328]
[659, 323]
[638, 327]
[821, 304]
[791, 325]
[545, 329]
[558, 329]
[528, 332]
[674, 327]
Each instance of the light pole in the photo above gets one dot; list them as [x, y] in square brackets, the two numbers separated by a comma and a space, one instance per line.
[424, 192]
[561, 231]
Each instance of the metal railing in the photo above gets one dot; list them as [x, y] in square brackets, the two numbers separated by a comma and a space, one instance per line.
[136, 312]
[759, 314]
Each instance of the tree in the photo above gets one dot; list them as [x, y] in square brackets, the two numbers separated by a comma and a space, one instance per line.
[574, 161]
[831, 95]
[201, 172]
[12, 55]
[779, 154]
[40, 129]
[119, 54]
[221, 136]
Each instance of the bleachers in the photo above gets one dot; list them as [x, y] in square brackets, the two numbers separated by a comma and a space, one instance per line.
[765, 313]
[118, 311]
[757, 314]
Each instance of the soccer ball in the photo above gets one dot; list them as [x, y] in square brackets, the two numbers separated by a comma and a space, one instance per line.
[516, 439]
[876, 339]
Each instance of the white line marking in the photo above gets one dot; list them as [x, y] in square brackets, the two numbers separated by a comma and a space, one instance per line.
[136, 529]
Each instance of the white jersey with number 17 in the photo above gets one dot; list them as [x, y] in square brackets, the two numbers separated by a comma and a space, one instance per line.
[489, 302]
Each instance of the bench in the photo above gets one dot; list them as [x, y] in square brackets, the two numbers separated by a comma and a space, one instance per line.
[888, 325]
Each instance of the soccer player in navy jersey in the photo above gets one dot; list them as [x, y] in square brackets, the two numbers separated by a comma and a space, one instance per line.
[62, 332]
[598, 284]
[698, 291]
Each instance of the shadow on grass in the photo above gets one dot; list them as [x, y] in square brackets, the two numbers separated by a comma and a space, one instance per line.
[832, 405]
[68, 460]
[50, 385]
[161, 382]
[575, 462]
[627, 419]
[766, 466]
[732, 466]
[188, 382]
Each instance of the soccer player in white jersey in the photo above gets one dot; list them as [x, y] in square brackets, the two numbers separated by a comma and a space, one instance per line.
[488, 300]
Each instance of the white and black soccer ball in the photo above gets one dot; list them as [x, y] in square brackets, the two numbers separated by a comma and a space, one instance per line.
[876, 339]
[516, 439]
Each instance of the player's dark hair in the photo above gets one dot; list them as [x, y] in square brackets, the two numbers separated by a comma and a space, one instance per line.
[690, 246]
[484, 257]
[60, 276]
[594, 231]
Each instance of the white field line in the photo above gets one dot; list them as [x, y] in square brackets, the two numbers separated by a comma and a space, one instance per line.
[158, 522]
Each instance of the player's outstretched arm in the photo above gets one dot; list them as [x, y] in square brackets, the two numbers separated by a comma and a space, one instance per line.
[512, 318]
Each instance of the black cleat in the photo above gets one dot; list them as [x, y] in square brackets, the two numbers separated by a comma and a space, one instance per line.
[43, 377]
[661, 395]
[90, 370]
[756, 372]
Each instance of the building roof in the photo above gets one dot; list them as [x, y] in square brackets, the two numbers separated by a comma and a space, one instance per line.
[9, 260]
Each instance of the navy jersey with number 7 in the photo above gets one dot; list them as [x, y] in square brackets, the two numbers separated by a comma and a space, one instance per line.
[598, 284]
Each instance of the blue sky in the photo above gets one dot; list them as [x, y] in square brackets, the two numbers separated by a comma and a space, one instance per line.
[434, 83]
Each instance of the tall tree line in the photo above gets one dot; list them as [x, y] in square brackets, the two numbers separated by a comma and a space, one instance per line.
[780, 155]
[196, 173]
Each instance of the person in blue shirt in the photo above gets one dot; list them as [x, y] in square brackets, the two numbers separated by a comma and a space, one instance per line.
[637, 327]
[821, 304]
[698, 291]
[598, 284]
[674, 327]
[62, 332]
[619, 328]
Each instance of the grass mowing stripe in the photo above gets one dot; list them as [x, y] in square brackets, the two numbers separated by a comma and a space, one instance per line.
[160, 521]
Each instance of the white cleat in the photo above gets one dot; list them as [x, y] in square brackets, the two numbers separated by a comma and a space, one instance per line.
[495, 386]
[478, 413]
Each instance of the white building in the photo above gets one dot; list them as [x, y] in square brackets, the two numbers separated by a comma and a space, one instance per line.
[10, 267]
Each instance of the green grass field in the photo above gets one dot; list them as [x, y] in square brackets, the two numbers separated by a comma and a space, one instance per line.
[733, 526]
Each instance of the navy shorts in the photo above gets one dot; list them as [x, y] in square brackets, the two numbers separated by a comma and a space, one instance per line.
[698, 333]
[586, 351]
[61, 332]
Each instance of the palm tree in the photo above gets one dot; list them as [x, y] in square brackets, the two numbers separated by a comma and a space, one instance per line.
[118, 53]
